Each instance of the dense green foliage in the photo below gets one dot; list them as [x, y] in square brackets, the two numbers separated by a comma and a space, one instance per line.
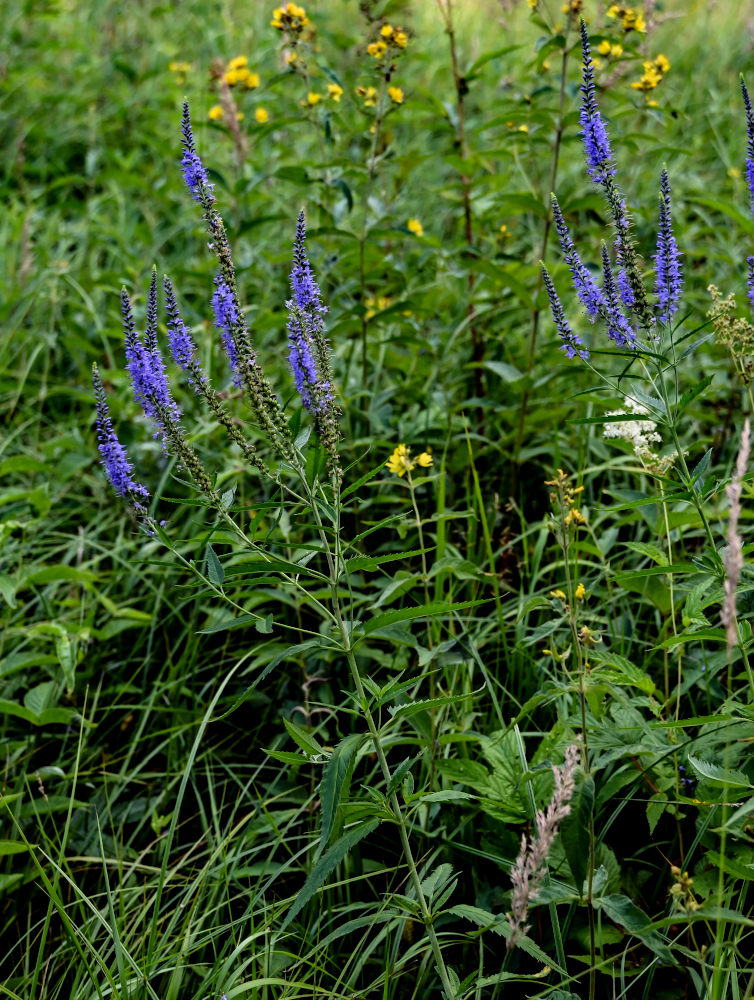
[192, 802]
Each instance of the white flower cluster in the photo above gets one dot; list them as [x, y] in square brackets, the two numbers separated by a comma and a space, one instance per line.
[642, 434]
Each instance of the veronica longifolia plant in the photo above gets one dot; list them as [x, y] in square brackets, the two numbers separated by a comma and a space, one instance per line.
[291, 462]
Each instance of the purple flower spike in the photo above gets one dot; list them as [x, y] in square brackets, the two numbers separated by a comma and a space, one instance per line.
[585, 285]
[597, 150]
[668, 282]
[750, 281]
[618, 327]
[624, 288]
[145, 364]
[226, 318]
[182, 346]
[194, 172]
[572, 343]
[749, 142]
[114, 458]
[306, 325]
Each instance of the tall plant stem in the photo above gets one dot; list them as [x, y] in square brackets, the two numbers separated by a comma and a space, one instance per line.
[536, 312]
[461, 88]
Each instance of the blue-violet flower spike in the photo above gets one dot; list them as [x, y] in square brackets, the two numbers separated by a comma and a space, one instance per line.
[114, 458]
[593, 132]
[750, 281]
[572, 344]
[182, 346]
[618, 327]
[749, 142]
[194, 172]
[668, 280]
[226, 317]
[586, 287]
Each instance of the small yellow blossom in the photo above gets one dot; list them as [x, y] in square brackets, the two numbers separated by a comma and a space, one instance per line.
[425, 459]
[533, 4]
[261, 116]
[179, 67]
[377, 49]
[616, 51]
[239, 116]
[387, 30]
[630, 19]
[375, 305]
[415, 227]
[523, 128]
[558, 594]
[580, 592]
[290, 58]
[504, 232]
[312, 98]
[251, 81]
[662, 63]
[573, 7]
[587, 637]
[604, 47]
[734, 172]
[654, 71]
[369, 94]
[215, 113]
[400, 38]
[292, 18]
[335, 91]
[400, 461]
[237, 62]
[232, 77]
[395, 94]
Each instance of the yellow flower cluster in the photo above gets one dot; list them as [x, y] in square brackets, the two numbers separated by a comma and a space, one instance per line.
[369, 94]
[237, 71]
[400, 461]
[654, 71]
[573, 7]
[395, 94]
[335, 91]
[376, 304]
[390, 37]
[564, 497]
[630, 19]
[606, 48]
[415, 227]
[291, 18]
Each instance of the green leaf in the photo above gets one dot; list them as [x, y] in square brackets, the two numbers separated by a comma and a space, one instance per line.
[302, 738]
[12, 847]
[697, 473]
[215, 571]
[336, 780]
[432, 610]
[325, 865]
[574, 830]
[691, 394]
[620, 909]
[360, 563]
[719, 775]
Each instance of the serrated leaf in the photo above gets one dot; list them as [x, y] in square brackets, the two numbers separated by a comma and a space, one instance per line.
[326, 864]
[431, 610]
[302, 738]
[719, 775]
[215, 571]
[335, 781]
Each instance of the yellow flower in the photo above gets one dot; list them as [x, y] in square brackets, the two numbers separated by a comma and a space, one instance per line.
[237, 62]
[580, 592]
[616, 51]
[662, 64]
[400, 462]
[334, 91]
[558, 594]
[395, 94]
[400, 38]
[261, 116]
[386, 31]
[523, 128]
[369, 94]
[415, 227]
[239, 116]
[425, 459]
[215, 113]
[232, 77]
[251, 80]
[179, 67]
[290, 58]
[374, 305]
[604, 47]
[312, 98]
[377, 49]
[734, 172]
[504, 232]
[573, 7]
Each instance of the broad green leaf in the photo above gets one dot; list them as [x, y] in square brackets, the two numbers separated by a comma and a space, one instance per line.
[302, 738]
[432, 610]
[215, 571]
[622, 911]
[12, 847]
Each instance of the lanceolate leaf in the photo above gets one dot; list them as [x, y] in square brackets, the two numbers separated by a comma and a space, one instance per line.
[325, 865]
[335, 781]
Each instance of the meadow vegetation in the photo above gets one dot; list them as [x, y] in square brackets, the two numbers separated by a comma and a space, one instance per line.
[411, 655]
